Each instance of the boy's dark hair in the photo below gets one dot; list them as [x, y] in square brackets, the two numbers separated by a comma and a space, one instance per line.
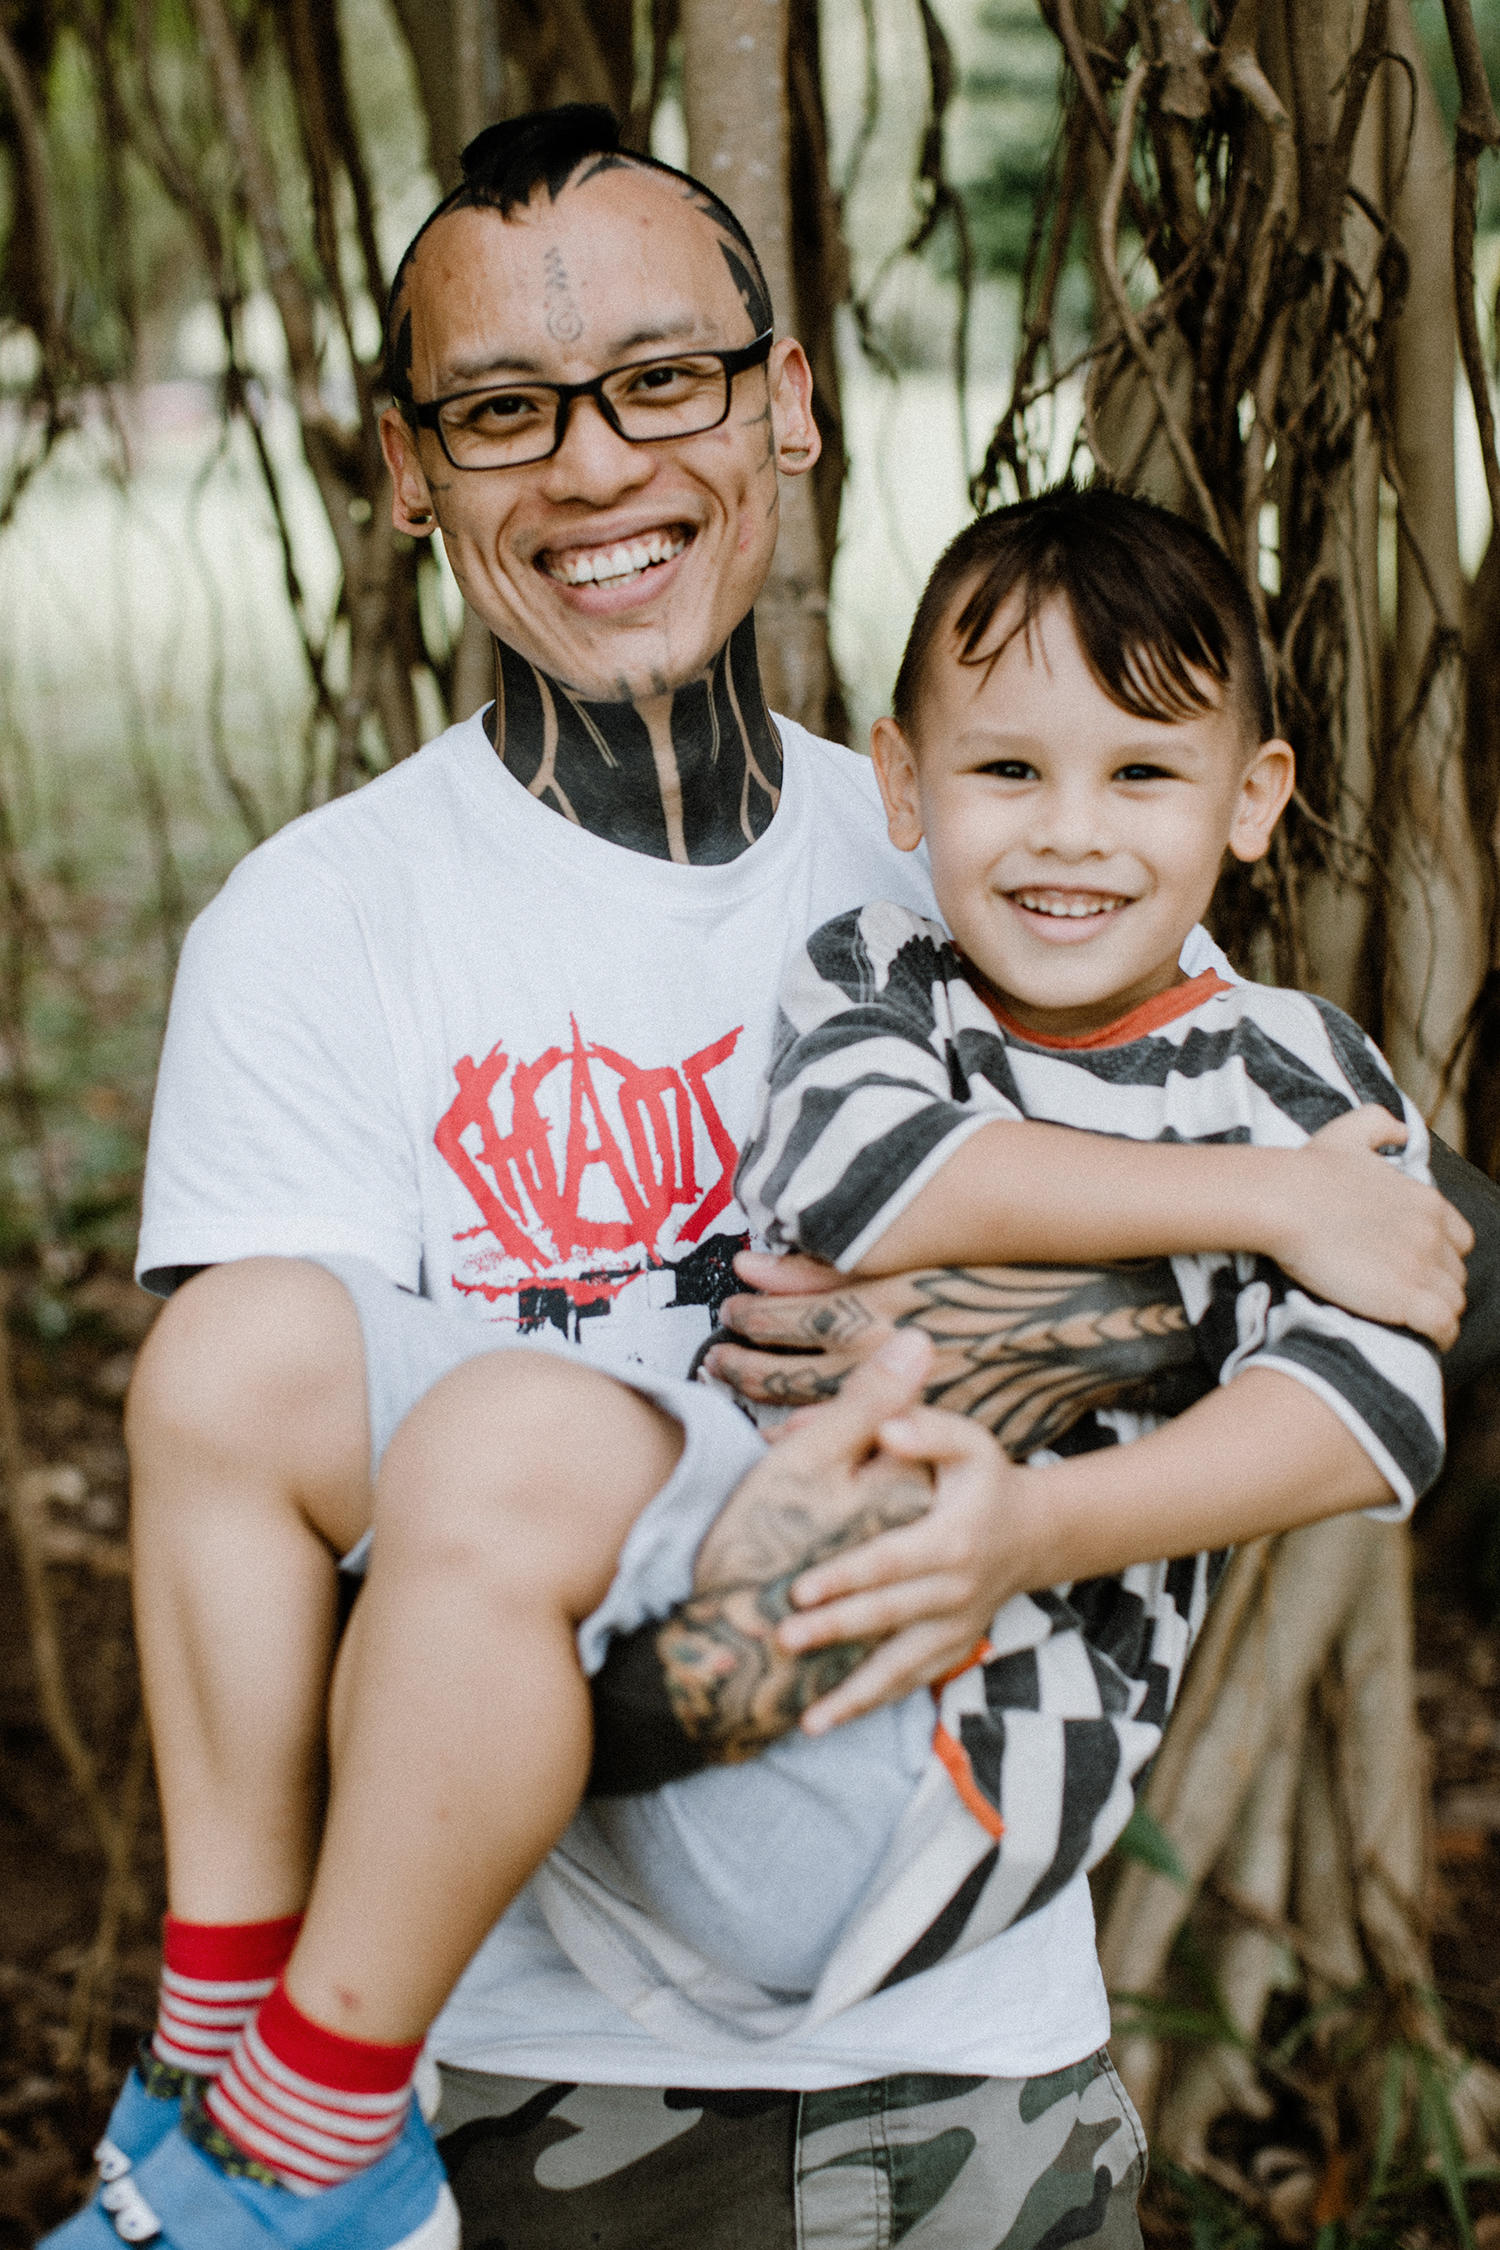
[1153, 600]
[504, 166]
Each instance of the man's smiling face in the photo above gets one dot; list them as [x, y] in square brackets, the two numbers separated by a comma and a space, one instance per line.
[620, 569]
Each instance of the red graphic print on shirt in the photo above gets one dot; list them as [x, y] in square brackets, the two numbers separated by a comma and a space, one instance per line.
[587, 1169]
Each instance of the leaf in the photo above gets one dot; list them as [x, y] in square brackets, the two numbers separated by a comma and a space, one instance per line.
[1144, 1838]
[1441, 2133]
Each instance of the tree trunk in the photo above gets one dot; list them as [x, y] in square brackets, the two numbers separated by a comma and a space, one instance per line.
[1435, 959]
[735, 55]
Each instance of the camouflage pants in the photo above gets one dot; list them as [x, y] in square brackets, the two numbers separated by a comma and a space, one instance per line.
[930, 2163]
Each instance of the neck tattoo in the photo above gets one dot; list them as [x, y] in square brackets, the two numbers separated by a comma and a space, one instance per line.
[693, 775]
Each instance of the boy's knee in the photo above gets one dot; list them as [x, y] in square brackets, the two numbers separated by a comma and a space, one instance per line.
[254, 1359]
[536, 1463]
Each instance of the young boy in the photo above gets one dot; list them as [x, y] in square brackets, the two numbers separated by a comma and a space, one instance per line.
[1077, 773]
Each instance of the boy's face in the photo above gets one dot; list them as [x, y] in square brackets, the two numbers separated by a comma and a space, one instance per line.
[1073, 845]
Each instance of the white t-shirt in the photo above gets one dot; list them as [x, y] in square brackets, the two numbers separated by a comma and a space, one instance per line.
[438, 1026]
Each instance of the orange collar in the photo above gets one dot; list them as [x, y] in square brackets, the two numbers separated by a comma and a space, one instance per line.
[1163, 1007]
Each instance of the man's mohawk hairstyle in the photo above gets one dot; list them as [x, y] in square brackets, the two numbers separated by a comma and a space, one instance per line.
[505, 166]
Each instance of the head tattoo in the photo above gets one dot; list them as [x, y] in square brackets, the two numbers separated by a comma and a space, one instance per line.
[507, 164]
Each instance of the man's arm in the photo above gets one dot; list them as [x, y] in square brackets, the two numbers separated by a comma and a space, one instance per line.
[899, 1583]
[1025, 1352]
[795, 1339]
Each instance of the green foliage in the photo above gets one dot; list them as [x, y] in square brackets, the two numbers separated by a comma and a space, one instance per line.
[1145, 1839]
[1432, 30]
[1011, 95]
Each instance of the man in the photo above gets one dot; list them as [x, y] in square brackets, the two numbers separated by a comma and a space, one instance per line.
[496, 1026]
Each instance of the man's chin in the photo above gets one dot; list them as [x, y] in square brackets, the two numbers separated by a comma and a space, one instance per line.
[627, 666]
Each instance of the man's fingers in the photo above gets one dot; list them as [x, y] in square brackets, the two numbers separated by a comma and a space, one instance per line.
[791, 1276]
[877, 1389]
[777, 1381]
[820, 1322]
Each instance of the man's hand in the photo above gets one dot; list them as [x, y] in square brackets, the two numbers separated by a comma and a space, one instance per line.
[1025, 1350]
[926, 1591]
[1368, 1238]
[824, 1487]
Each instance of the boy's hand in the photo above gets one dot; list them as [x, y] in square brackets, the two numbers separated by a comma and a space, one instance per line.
[927, 1591]
[1368, 1238]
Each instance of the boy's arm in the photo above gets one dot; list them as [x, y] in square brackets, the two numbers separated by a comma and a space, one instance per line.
[1004, 1339]
[1279, 1456]
[1387, 1247]
[892, 1138]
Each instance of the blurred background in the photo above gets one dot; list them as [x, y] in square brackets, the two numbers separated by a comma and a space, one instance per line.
[1243, 257]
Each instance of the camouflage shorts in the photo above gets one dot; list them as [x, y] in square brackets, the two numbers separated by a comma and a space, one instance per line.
[930, 2163]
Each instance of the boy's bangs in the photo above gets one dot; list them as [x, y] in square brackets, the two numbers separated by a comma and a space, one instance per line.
[1152, 641]
[1164, 620]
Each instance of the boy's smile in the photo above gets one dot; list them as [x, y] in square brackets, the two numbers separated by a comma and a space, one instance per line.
[1073, 845]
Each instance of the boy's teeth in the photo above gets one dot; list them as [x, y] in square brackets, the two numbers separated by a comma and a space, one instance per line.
[1069, 909]
[593, 566]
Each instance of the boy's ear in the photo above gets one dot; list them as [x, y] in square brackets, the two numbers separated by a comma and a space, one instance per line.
[1265, 785]
[896, 771]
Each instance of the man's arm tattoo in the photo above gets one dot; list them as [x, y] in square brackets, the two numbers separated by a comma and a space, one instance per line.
[709, 1685]
[1026, 1351]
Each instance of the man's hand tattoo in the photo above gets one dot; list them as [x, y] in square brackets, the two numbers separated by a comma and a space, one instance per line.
[731, 1689]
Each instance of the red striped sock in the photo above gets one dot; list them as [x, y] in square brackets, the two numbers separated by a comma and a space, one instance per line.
[310, 2104]
[214, 1975]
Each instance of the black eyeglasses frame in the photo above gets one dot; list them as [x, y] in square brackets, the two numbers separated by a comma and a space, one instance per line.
[426, 414]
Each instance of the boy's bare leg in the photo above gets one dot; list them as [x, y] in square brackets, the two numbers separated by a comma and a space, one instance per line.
[250, 1453]
[461, 1727]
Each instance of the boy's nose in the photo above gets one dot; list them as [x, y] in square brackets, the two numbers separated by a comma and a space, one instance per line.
[1069, 823]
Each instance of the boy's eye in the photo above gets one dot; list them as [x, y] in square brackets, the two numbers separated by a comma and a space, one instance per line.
[1140, 770]
[1010, 769]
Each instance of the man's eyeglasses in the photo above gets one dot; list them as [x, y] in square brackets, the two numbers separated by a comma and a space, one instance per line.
[505, 426]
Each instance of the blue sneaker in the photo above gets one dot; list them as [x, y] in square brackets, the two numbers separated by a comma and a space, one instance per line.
[149, 2106]
[178, 2198]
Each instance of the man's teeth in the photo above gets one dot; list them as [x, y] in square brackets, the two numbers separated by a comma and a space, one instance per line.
[595, 566]
[1068, 909]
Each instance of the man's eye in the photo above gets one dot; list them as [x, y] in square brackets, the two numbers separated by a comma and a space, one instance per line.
[497, 410]
[668, 378]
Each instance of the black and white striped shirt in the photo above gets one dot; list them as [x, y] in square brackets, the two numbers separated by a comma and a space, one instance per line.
[886, 1058]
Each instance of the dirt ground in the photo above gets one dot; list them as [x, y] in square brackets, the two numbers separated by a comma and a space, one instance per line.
[78, 1956]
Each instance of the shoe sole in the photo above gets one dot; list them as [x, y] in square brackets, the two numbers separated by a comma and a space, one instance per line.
[439, 2231]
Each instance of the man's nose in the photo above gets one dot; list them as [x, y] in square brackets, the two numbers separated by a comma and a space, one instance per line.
[593, 461]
